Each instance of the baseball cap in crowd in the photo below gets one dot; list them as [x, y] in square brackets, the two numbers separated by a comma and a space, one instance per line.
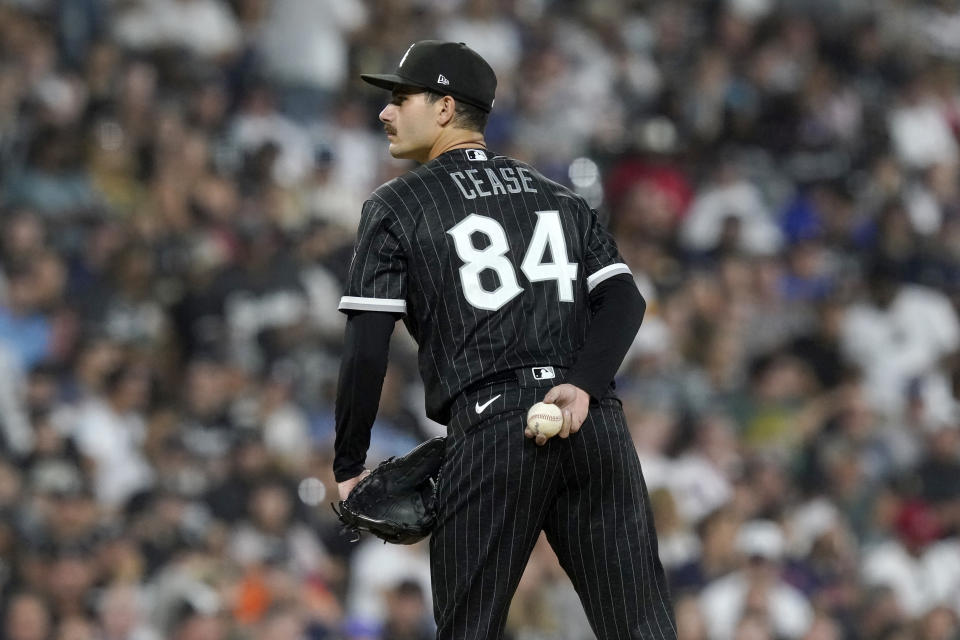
[448, 68]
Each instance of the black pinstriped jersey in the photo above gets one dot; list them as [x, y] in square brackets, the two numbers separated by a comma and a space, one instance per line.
[489, 262]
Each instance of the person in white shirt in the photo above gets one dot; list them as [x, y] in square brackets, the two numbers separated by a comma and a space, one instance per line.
[757, 589]
[110, 430]
[900, 336]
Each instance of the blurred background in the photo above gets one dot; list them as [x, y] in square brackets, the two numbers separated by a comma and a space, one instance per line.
[180, 182]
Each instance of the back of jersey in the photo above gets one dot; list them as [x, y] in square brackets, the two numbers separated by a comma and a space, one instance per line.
[490, 262]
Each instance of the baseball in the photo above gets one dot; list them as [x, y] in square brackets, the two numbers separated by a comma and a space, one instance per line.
[545, 419]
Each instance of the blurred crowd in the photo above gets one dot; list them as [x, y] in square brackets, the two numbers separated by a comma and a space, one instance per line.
[180, 182]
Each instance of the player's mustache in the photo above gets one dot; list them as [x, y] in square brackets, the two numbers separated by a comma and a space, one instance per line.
[390, 131]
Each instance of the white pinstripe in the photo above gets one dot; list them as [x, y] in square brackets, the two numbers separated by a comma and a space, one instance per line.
[523, 336]
[512, 316]
[453, 270]
[595, 566]
[496, 567]
[616, 542]
[516, 506]
[456, 538]
[383, 243]
[541, 203]
[539, 293]
[629, 487]
[474, 548]
[433, 284]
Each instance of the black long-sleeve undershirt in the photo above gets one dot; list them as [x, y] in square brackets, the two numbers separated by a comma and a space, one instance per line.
[366, 346]
[617, 309]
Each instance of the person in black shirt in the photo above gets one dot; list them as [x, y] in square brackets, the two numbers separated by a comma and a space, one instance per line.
[515, 293]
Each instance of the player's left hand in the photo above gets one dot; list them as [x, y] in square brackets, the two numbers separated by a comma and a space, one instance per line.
[574, 402]
[344, 488]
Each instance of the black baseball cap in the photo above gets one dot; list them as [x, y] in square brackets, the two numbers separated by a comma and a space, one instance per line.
[448, 68]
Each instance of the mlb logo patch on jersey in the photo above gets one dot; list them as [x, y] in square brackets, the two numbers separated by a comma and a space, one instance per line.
[543, 373]
[476, 154]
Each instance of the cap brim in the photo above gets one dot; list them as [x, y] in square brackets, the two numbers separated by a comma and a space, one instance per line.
[386, 81]
[390, 81]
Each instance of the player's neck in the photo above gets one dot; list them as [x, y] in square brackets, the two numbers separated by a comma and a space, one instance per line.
[456, 139]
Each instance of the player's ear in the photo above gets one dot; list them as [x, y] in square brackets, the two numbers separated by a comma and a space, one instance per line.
[446, 110]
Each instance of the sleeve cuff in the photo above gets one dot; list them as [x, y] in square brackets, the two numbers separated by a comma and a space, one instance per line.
[582, 382]
[390, 305]
[346, 473]
[607, 272]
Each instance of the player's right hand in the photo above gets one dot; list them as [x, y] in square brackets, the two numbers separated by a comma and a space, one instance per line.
[344, 488]
[574, 402]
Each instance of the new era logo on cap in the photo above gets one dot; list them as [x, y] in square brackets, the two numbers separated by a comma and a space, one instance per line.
[442, 79]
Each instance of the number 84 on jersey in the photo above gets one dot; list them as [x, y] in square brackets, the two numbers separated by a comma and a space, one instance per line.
[548, 232]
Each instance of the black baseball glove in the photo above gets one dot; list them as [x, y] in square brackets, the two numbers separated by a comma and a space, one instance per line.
[396, 501]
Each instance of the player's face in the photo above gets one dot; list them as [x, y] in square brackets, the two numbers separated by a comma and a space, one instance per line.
[411, 124]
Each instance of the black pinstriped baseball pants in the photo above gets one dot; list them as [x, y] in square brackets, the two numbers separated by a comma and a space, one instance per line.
[498, 490]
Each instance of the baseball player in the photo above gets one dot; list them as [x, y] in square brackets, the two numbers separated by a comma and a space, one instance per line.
[515, 293]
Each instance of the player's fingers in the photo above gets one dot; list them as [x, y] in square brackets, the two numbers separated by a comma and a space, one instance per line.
[530, 433]
[551, 396]
[541, 439]
[576, 424]
[567, 420]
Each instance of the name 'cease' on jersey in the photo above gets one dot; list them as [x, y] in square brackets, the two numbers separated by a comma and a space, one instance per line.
[512, 180]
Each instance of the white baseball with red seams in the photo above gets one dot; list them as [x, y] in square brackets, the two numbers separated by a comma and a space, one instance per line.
[545, 419]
